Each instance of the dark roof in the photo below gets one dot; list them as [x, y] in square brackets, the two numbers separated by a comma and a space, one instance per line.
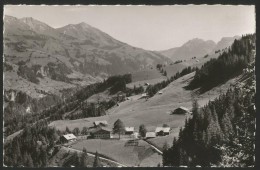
[101, 128]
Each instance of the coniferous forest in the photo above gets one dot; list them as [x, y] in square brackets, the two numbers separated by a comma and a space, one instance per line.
[222, 132]
[229, 64]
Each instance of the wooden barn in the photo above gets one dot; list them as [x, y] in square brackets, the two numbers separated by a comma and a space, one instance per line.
[181, 110]
[101, 133]
[162, 131]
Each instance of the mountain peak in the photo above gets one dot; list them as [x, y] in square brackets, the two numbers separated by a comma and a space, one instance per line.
[35, 24]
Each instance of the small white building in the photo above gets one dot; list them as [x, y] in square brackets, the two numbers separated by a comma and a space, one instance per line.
[144, 95]
[129, 130]
[68, 138]
[150, 135]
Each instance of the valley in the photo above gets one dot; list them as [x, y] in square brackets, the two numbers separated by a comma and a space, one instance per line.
[74, 96]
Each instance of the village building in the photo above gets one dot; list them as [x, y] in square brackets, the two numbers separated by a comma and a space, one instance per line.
[68, 138]
[100, 123]
[181, 110]
[162, 131]
[101, 133]
[150, 135]
[144, 95]
[135, 135]
[129, 130]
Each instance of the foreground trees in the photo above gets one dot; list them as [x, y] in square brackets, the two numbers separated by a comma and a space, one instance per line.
[32, 148]
[221, 133]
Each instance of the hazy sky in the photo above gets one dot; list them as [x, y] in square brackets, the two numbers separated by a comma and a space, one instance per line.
[149, 27]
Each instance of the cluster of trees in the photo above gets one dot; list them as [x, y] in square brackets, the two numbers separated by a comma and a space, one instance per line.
[135, 90]
[206, 56]
[221, 133]
[58, 71]
[226, 66]
[151, 90]
[178, 61]
[15, 117]
[185, 71]
[92, 109]
[32, 147]
[160, 68]
[79, 160]
[28, 73]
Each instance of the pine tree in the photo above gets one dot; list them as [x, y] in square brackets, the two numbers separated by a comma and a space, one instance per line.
[29, 162]
[84, 156]
[67, 130]
[165, 146]
[96, 161]
[142, 130]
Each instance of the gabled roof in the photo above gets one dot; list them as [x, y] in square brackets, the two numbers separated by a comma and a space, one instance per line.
[164, 129]
[129, 129]
[101, 128]
[104, 122]
[69, 136]
[150, 135]
[106, 129]
[183, 108]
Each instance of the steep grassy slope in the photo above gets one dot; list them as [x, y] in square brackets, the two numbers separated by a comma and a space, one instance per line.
[142, 155]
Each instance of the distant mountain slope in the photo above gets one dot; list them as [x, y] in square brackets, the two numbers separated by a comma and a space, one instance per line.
[74, 54]
[197, 48]
[193, 48]
[225, 42]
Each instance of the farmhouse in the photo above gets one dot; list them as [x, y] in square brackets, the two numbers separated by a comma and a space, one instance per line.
[101, 133]
[129, 130]
[144, 95]
[68, 138]
[181, 110]
[100, 123]
[162, 131]
[150, 135]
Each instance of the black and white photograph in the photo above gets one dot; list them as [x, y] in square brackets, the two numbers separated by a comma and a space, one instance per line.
[129, 86]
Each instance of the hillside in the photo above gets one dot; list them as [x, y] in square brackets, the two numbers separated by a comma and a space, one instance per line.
[51, 64]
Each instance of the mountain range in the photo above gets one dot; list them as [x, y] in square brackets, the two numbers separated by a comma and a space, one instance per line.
[75, 54]
[197, 48]
[46, 60]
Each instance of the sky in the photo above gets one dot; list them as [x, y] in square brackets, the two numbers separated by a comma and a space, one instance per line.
[149, 27]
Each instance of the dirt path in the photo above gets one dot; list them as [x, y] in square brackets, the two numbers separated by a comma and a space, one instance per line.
[153, 146]
[90, 154]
